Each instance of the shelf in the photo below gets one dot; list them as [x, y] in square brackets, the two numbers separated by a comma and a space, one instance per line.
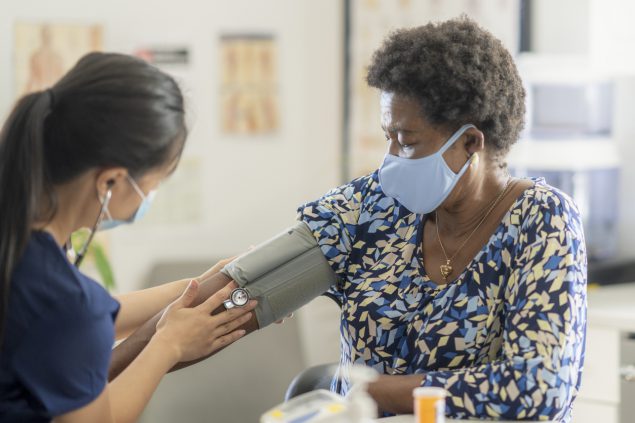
[574, 154]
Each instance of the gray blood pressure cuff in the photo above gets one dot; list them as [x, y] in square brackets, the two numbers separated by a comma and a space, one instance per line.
[283, 273]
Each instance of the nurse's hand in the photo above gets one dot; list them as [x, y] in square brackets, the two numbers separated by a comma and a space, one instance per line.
[193, 332]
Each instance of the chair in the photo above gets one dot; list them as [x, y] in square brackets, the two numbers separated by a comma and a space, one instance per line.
[311, 379]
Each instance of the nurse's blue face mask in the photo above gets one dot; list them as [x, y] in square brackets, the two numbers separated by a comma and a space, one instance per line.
[146, 201]
[109, 222]
[421, 185]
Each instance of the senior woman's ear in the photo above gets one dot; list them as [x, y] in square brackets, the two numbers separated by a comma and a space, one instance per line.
[474, 141]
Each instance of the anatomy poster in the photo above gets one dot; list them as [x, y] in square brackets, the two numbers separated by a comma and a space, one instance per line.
[370, 22]
[249, 101]
[45, 51]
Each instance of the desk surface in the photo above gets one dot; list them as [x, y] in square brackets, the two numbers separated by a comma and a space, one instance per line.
[411, 419]
[612, 306]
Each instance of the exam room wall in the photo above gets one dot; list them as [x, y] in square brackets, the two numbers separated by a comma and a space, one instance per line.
[250, 186]
[602, 32]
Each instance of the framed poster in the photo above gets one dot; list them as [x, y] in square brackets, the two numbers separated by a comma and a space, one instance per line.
[45, 51]
[159, 55]
[249, 103]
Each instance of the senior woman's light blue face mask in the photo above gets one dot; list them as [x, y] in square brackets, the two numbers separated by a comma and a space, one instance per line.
[421, 185]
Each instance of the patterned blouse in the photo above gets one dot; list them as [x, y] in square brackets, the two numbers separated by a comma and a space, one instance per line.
[505, 339]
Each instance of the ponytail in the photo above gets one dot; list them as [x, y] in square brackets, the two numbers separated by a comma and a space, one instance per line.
[25, 191]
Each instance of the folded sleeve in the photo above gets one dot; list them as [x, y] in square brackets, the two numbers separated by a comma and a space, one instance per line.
[64, 357]
[538, 373]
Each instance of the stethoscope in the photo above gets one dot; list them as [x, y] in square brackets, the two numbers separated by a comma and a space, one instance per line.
[82, 252]
[239, 297]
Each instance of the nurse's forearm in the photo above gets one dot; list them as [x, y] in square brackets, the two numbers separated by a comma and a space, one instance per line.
[393, 393]
[138, 307]
[124, 353]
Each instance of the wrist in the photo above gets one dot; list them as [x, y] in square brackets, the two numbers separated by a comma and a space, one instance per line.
[205, 277]
[208, 276]
[393, 393]
[169, 349]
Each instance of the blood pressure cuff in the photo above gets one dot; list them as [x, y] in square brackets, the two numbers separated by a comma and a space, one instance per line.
[283, 273]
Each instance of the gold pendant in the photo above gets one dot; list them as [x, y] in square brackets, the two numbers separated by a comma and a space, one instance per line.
[446, 269]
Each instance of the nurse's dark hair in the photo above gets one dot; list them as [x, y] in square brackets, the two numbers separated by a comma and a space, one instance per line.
[459, 73]
[109, 110]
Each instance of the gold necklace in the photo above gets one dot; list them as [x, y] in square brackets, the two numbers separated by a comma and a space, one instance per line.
[446, 269]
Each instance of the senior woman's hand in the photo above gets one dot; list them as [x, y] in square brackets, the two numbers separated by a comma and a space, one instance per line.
[393, 393]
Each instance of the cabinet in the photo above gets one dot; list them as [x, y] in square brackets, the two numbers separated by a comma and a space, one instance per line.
[599, 397]
[605, 395]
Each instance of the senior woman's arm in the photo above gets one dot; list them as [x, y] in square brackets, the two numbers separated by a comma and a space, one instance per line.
[124, 353]
[283, 274]
[543, 335]
[340, 207]
[138, 307]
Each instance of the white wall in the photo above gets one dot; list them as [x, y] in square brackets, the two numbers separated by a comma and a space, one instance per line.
[599, 29]
[612, 34]
[611, 50]
[560, 26]
[602, 32]
[251, 187]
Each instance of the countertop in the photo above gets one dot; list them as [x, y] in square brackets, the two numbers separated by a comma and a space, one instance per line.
[411, 419]
[612, 306]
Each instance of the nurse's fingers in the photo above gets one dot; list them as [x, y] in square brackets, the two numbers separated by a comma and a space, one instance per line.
[225, 340]
[234, 313]
[226, 327]
[216, 299]
[281, 321]
[188, 296]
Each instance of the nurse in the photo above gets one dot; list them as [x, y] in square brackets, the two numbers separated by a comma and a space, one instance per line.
[90, 152]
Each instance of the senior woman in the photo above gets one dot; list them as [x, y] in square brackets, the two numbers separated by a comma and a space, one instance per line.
[455, 274]
[451, 273]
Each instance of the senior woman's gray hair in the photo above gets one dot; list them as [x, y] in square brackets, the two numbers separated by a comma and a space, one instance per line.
[459, 73]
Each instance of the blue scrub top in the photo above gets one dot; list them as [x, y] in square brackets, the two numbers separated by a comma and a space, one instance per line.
[59, 332]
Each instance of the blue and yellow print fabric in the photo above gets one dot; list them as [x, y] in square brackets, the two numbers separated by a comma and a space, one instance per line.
[505, 339]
